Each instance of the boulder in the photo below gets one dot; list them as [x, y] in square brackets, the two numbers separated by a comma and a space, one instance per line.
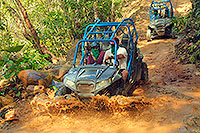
[32, 77]
[59, 71]
[8, 113]
[4, 83]
[35, 89]
[138, 92]
[6, 100]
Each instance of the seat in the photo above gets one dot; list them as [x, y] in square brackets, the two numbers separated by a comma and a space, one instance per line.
[125, 41]
[105, 45]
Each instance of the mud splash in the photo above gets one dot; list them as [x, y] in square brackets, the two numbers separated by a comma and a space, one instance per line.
[43, 104]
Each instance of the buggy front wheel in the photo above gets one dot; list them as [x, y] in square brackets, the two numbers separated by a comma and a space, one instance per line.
[62, 91]
[144, 74]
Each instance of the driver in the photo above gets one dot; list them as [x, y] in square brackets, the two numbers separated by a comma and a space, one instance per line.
[155, 15]
[96, 56]
[121, 57]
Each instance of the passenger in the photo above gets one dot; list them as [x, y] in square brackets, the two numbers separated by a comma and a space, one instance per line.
[121, 57]
[96, 56]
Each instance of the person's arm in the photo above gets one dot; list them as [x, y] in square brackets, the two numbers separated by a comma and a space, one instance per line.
[121, 53]
[102, 53]
[105, 57]
[120, 56]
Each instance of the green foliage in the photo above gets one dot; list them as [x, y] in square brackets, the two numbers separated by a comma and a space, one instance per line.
[188, 28]
[2, 26]
[55, 88]
[18, 94]
[13, 48]
[13, 64]
[14, 88]
[55, 34]
[66, 20]
[58, 23]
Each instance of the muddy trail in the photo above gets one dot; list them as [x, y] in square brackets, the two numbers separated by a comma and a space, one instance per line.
[169, 102]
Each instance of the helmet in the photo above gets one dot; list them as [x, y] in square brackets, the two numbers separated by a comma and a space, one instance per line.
[95, 44]
[116, 39]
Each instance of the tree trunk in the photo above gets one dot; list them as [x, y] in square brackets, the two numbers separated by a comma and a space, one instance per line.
[20, 24]
[34, 36]
[112, 11]
[95, 10]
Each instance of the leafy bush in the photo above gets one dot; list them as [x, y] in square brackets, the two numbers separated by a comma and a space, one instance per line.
[188, 29]
[13, 63]
[65, 21]
[58, 24]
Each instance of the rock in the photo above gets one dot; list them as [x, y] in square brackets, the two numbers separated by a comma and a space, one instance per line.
[30, 88]
[8, 113]
[183, 129]
[192, 123]
[6, 100]
[31, 77]
[4, 83]
[138, 92]
[24, 94]
[40, 101]
[197, 73]
[35, 89]
[59, 71]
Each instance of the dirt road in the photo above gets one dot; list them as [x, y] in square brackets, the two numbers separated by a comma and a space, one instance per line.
[173, 93]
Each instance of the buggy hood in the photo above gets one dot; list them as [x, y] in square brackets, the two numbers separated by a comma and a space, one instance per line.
[90, 78]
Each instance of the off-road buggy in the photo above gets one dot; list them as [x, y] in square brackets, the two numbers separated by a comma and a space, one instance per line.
[160, 14]
[90, 80]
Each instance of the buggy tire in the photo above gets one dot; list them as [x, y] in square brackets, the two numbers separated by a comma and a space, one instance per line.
[148, 35]
[62, 91]
[144, 74]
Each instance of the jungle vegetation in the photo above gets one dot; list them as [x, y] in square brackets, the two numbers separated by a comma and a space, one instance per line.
[188, 28]
[35, 33]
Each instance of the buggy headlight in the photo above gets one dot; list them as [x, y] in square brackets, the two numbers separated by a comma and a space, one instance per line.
[69, 83]
[101, 84]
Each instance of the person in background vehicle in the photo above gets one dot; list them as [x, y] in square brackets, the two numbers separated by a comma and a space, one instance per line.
[155, 15]
[121, 57]
[96, 56]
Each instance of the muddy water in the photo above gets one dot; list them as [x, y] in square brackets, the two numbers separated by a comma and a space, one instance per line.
[42, 103]
[72, 114]
[165, 112]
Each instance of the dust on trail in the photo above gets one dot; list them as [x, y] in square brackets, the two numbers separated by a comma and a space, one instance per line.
[170, 102]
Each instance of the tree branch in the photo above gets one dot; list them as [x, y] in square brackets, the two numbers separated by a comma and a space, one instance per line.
[36, 40]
